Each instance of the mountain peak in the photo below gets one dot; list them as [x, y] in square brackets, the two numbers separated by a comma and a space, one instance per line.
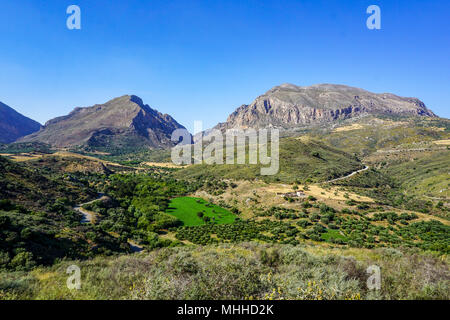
[122, 119]
[14, 125]
[289, 105]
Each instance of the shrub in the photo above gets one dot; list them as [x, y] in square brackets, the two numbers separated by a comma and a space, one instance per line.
[23, 261]
[269, 257]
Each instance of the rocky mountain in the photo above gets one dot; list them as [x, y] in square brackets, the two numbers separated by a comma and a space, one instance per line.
[14, 125]
[122, 123]
[290, 106]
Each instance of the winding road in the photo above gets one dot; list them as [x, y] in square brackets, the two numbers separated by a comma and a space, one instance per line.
[349, 175]
[89, 217]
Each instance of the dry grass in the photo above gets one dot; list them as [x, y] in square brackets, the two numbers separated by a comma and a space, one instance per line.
[21, 156]
[248, 195]
[421, 217]
[334, 194]
[163, 164]
[442, 142]
[243, 271]
[354, 126]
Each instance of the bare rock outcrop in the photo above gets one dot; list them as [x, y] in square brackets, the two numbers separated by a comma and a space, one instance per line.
[289, 106]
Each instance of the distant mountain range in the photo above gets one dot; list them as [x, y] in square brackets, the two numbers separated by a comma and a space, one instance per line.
[289, 106]
[13, 125]
[124, 122]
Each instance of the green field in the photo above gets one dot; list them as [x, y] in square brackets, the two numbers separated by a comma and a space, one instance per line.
[186, 209]
[335, 234]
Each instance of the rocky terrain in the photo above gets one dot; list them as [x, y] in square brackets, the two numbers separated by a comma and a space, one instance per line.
[14, 125]
[289, 106]
[122, 122]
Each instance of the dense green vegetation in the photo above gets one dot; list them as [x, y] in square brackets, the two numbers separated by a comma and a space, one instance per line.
[141, 206]
[137, 206]
[131, 157]
[38, 190]
[28, 239]
[240, 231]
[24, 147]
[320, 222]
[37, 223]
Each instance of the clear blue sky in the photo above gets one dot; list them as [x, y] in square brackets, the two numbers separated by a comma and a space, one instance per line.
[199, 60]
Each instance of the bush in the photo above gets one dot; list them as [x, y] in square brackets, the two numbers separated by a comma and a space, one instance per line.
[7, 205]
[4, 259]
[303, 223]
[23, 261]
[269, 257]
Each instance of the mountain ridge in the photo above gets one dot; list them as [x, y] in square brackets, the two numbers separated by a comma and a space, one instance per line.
[289, 106]
[14, 125]
[122, 119]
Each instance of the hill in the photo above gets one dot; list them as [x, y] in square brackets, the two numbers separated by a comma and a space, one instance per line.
[14, 125]
[122, 124]
[37, 223]
[33, 189]
[300, 160]
[380, 134]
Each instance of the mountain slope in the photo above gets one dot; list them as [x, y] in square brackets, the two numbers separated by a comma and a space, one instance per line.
[300, 160]
[123, 122]
[289, 106]
[14, 125]
[37, 223]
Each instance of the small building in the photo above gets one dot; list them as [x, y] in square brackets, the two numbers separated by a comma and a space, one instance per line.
[296, 194]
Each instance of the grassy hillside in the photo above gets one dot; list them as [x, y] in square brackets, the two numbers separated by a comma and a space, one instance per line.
[300, 160]
[425, 176]
[244, 271]
[32, 188]
[29, 239]
[37, 222]
[368, 135]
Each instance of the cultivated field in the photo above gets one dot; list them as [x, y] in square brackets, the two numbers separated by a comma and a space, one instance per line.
[195, 211]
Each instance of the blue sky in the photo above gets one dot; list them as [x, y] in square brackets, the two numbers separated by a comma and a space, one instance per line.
[199, 60]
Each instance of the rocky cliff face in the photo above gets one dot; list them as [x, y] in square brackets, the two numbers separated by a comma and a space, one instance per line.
[290, 106]
[122, 122]
[13, 125]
